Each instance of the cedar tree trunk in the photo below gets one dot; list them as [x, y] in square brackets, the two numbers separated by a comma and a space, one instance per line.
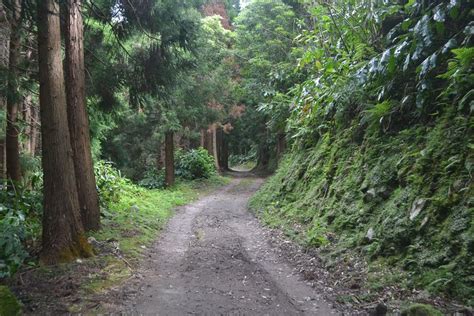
[77, 117]
[222, 149]
[169, 159]
[202, 142]
[33, 134]
[281, 145]
[13, 97]
[208, 141]
[63, 234]
[215, 153]
[4, 52]
[225, 153]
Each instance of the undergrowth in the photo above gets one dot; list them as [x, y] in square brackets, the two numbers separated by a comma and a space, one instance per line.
[132, 217]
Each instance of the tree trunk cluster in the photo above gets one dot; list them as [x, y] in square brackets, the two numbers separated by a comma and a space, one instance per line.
[214, 140]
[169, 159]
[70, 203]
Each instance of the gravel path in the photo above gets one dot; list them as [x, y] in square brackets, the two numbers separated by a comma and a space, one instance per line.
[214, 258]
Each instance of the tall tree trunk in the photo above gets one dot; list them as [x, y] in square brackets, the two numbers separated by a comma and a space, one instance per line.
[208, 141]
[13, 96]
[63, 234]
[221, 150]
[77, 117]
[33, 136]
[169, 159]
[214, 146]
[225, 153]
[4, 52]
[202, 142]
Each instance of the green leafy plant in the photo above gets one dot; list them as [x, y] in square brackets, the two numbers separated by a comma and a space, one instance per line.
[194, 164]
[109, 182]
[154, 179]
[20, 217]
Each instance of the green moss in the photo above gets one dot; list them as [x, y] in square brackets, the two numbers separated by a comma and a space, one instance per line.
[344, 189]
[114, 272]
[9, 305]
[421, 310]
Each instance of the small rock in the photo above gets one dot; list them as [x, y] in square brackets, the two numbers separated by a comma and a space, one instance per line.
[424, 221]
[416, 208]
[371, 193]
[370, 234]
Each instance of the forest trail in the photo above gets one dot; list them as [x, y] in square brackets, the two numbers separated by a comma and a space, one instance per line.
[213, 258]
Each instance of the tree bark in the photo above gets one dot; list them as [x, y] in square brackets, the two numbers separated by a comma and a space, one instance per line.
[77, 117]
[4, 53]
[202, 142]
[169, 159]
[225, 154]
[33, 135]
[214, 146]
[208, 141]
[222, 150]
[13, 96]
[281, 145]
[63, 234]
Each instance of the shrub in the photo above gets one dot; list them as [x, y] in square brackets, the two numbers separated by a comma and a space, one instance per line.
[194, 164]
[20, 218]
[154, 179]
[109, 181]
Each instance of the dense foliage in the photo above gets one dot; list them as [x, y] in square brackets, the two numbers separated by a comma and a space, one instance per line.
[151, 67]
[195, 164]
[380, 130]
[363, 107]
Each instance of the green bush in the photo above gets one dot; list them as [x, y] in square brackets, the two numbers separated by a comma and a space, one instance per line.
[20, 218]
[109, 183]
[154, 179]
[194, 164]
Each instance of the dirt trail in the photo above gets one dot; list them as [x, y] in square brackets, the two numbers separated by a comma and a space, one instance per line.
[213, 258]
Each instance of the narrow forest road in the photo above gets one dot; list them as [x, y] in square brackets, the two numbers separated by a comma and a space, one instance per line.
[213, 258]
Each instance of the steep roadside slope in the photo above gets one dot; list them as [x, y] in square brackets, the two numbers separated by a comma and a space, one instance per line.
[403, 199]
[381, 157]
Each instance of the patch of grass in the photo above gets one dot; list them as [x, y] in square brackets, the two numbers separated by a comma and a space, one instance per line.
[9, 305]
[421, 310]
[114, 272]
[139, 214]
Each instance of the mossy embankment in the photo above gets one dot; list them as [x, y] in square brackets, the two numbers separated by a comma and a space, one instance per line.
[402, 199]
